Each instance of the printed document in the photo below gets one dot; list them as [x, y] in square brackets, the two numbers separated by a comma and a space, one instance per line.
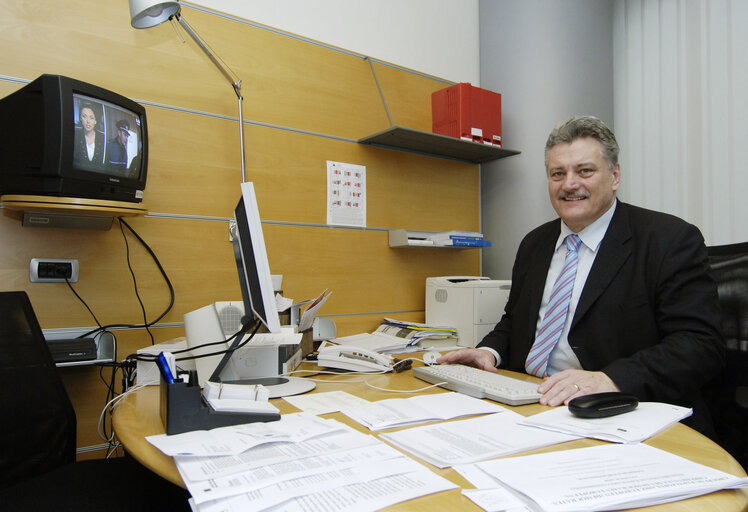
[646, 420]
[238, 438]
[608, 477]
[396, 412]
[473, 440]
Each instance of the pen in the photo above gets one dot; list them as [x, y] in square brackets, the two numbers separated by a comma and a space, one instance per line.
[163, 367]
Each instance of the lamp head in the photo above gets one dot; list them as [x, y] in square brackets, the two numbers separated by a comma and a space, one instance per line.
[149, 13]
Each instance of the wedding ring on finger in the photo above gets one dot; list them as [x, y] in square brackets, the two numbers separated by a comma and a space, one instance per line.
[577, 387]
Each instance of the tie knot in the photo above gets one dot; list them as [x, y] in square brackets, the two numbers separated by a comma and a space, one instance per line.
[572, 242]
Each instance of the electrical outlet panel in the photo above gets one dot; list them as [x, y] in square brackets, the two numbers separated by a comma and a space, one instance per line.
[48, 270]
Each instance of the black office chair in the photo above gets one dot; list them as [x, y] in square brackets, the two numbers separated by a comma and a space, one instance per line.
[728, 394]
[38, 470]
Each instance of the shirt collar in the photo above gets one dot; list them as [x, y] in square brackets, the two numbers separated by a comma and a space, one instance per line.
[592, 235]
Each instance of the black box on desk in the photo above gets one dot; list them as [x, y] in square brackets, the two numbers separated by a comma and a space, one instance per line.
[182, 409]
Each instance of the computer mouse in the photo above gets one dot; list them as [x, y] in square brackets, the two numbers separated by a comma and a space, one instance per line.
[431, 356]
[602, 405]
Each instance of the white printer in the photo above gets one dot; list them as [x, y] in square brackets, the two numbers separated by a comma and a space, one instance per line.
[473, 305]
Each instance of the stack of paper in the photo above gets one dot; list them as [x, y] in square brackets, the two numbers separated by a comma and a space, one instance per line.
[473, 440]
[416, 332]
[608, 477]
[301, 462]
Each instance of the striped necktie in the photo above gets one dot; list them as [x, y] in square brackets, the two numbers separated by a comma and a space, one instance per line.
[554, 319]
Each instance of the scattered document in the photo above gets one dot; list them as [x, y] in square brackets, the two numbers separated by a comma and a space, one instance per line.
[635, 426]
[271, 474]
[473, 440]
[608, 477]
[203, 468]
[489, 494]
[307, 317]
[238, 438]
[356, 471]
[323, 403]
[396, 412]
[376, 341]
[364, 496]
[497, 499]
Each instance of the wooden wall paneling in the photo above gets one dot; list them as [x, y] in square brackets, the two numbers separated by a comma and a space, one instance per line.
[408, 96]
[304, 104]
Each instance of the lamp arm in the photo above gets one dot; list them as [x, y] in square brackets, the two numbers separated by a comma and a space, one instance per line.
[235, 82]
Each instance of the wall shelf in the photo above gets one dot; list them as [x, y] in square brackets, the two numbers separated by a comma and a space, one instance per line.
[69, 212]
[401, 238]
[434, 144]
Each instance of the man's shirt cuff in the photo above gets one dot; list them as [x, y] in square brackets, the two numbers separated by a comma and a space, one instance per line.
[495, 355]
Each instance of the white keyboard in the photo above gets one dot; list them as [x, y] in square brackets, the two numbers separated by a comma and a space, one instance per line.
[479, 383]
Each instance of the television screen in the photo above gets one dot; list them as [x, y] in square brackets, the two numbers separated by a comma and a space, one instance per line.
[108, 138]
[78, 140]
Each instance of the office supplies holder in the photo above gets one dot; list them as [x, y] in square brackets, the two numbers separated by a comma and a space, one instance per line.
[182, 409]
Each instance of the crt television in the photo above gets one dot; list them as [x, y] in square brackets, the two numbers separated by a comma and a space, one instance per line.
[65, 137]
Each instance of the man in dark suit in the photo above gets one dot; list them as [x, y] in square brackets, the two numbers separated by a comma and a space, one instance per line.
[643, 315]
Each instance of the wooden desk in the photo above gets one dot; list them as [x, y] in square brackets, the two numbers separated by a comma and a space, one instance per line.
[137, 416]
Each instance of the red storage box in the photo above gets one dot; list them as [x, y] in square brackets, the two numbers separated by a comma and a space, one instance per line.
[467, 112]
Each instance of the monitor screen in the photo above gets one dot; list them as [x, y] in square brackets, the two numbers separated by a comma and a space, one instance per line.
[108, 138]
[252, 261]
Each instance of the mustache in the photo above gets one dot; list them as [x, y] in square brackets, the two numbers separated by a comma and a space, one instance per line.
[580, 194]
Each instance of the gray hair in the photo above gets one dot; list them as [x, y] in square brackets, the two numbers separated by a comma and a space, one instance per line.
[580, 127]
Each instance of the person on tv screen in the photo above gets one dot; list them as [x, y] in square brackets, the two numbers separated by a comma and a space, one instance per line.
[116, 148]
[89, 142]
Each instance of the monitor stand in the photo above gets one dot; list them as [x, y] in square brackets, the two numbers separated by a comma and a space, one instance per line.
[279, 387]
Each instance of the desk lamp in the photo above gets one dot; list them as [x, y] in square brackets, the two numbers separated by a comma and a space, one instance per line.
[149, 13]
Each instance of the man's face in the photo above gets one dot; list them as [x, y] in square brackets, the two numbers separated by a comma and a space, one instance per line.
[580, 184]
[123, 136]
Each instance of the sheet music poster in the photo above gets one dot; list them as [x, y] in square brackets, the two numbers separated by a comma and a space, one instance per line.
[346, 194]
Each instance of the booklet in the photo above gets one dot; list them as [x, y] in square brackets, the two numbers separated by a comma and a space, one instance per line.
[607, 477]
[635, 426]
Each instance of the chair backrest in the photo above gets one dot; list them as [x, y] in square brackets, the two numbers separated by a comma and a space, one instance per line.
[729, 265]
[39, 425]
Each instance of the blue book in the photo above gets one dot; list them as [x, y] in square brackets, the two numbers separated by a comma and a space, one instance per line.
[469, 243]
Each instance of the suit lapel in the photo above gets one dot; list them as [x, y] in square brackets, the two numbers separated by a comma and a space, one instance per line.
[613, 252]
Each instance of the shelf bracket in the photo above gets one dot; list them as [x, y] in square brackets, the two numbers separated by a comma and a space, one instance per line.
[381, 94]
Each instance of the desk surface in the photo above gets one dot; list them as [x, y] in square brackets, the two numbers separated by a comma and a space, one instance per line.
[137, 416]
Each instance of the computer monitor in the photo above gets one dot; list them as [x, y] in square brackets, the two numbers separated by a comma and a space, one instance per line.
[252, 262]
[258, 296]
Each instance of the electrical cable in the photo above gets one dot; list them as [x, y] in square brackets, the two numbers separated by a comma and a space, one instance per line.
[146, 324]
[135, 282]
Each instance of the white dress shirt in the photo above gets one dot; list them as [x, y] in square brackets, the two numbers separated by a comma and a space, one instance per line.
[562, 356]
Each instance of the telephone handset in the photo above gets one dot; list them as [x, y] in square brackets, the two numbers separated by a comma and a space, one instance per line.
[357, 359]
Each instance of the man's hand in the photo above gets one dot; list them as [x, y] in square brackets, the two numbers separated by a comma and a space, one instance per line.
[482, 359]
[561, 387]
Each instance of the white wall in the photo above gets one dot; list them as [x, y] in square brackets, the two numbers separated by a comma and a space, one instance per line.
[550, 60]
[437, 37]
